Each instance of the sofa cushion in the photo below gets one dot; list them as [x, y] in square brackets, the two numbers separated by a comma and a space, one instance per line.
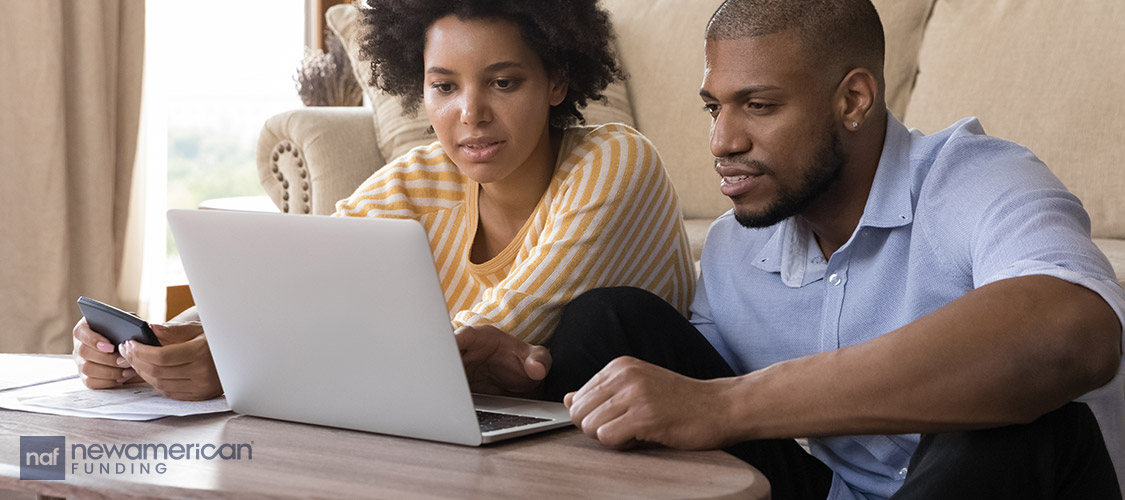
[396, 133]
[1046, 74]
[904, 23]
[697, 234]
[342, 21]
[661, 47]
[1114, 250]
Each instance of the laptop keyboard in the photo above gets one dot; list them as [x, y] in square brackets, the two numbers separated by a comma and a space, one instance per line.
[492, 421]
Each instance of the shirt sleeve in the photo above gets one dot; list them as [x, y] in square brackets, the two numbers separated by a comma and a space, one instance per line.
[1008, 216]
[614, 221]
[1043, 232]
[421, 181]
[1019, 220]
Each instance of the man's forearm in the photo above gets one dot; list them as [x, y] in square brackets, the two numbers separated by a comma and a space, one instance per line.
[1005, 353]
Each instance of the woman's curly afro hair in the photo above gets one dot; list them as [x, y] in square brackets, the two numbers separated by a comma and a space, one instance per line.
[573, 38]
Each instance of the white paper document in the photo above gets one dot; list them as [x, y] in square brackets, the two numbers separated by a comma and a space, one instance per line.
[22, 370]
[71, 398]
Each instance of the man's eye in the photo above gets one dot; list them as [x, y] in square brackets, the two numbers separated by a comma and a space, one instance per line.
[758, 106]
[711, 109]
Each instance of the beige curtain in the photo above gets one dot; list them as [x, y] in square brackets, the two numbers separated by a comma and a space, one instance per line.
[69, 113]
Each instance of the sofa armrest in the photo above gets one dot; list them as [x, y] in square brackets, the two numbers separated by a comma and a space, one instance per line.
[310, 158]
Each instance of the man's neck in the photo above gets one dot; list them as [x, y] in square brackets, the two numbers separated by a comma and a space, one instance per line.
[834, 216]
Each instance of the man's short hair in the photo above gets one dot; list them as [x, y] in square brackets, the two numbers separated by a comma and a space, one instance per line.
[834, 33]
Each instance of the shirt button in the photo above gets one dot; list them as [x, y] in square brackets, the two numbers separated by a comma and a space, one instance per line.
[902, 473]
[835, 279]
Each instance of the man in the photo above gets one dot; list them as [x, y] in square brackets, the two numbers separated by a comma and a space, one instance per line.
[870, 284]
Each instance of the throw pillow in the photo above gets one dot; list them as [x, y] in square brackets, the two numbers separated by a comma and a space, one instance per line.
[1041, 73]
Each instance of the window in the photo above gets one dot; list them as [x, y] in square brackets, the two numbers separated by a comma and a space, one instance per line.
[227, 66]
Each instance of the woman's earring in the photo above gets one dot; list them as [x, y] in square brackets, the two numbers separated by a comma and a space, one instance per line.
[430, 129]
[855, 125]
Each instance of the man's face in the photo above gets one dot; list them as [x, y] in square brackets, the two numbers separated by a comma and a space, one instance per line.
[773, 134]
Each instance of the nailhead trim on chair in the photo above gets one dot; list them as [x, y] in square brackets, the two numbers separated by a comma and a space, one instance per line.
[283, 148]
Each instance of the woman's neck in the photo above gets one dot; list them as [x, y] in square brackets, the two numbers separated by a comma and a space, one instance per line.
[514, 198]
[505, 206]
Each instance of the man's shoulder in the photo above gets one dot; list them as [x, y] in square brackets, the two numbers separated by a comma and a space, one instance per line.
[966, 148]
[963, 162]
[973, 191]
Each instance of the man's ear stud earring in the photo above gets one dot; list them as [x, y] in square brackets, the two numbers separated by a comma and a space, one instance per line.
[855, 124]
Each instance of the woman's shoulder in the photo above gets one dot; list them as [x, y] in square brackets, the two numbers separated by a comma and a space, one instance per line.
[594, 135]
[425, 158]
[614, 167]
[602, 146]
[422, 175]
[613, 159]
[420, 167]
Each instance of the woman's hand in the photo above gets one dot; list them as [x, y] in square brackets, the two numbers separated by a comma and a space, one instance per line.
[498, 363]
[182, 367]
[98, 365]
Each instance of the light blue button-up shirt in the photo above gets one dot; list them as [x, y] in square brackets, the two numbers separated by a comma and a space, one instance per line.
[947, 213]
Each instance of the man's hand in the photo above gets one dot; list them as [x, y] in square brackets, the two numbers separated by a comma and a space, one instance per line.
[632, 401]
[181, 367]
[498, 363]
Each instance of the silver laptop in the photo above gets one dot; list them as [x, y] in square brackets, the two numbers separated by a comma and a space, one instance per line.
[338, 322]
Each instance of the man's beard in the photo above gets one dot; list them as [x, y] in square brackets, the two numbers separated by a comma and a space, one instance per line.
[819, 175]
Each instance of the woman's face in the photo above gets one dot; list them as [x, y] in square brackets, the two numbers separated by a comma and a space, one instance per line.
[488, 97]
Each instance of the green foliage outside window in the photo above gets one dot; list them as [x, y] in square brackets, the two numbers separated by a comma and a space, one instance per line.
[205, 164]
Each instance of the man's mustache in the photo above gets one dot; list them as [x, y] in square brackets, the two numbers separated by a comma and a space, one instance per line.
[740, 162]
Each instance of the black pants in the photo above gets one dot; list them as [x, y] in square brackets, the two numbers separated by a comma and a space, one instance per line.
[1059, 456]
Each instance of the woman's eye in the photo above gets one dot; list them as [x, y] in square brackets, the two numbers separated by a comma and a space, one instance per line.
[505, 84]
[442, 87]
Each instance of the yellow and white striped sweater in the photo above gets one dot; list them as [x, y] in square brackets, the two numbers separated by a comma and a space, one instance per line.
[609, 217]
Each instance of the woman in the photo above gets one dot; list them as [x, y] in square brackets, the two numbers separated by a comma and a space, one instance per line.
[524, 210]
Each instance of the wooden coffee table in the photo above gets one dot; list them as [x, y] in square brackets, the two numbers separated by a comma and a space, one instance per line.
[300, 461]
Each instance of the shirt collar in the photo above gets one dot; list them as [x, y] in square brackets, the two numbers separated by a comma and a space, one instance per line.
[890, 204]
[792, 250]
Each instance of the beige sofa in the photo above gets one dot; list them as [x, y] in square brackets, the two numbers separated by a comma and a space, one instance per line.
[1046, 74]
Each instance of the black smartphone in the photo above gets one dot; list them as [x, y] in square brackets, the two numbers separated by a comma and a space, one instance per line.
[114, 324]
